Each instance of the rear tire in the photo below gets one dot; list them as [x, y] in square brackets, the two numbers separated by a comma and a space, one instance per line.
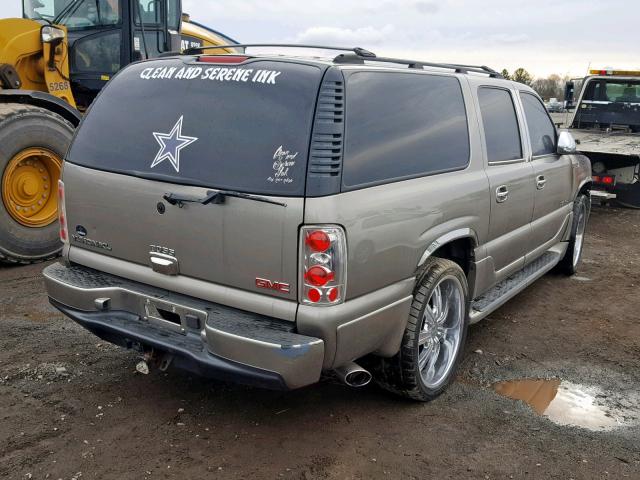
[23, 127]
[572, 257]
[434, 337]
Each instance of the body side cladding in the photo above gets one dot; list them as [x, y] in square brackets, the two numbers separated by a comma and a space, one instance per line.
[43, 100]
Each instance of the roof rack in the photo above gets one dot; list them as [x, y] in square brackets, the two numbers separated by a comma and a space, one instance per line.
[360, 52]
[359, 55]
[419, 64]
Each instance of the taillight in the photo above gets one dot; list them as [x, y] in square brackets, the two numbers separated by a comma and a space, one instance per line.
[318, 276]
[608, 180]
[62, 214]
[324, 265]
[318, 241]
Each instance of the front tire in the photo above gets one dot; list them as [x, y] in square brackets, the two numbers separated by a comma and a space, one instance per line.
[33, 142]
[435, 334]
[573, 256]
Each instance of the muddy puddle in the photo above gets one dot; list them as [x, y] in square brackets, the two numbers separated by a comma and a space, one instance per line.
[566, 403]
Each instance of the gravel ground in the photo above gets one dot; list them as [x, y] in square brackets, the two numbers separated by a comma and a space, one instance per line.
[72, 406]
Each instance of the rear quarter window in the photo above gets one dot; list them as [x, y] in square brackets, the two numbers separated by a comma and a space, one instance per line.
[402, 125]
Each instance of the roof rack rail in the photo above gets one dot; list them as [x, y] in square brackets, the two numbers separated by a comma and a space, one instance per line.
[357, 55]
[418, 64]
[361, 52]
[481, 67]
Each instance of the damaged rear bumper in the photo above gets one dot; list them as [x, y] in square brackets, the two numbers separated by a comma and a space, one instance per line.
[205, 338]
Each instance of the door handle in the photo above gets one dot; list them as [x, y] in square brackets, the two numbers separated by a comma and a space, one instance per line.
[502, 194]
[540, 182]
[165, 264]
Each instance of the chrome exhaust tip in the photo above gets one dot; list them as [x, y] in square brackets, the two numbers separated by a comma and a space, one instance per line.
[353, 375]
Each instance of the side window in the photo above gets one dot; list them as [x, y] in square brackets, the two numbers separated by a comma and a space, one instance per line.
[501, 129]
[98, 53]
[39, 10]
[88, 13]
[402, 125]
[541, 129]
[152, 12]
[148, 12]
[174, 15]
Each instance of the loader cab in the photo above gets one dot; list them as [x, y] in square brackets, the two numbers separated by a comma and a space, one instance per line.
[106, 35]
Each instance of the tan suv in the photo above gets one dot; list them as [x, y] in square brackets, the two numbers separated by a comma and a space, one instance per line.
[265, 218]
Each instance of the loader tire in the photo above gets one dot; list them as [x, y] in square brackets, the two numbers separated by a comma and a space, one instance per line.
[33, 142]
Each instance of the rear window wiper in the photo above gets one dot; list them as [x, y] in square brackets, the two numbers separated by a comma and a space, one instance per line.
[215, 197]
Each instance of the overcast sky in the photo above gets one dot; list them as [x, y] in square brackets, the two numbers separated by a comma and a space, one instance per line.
[544, 36]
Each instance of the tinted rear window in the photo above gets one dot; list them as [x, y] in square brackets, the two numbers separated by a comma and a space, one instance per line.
[402, 125]
[242, 127]
[501, 129]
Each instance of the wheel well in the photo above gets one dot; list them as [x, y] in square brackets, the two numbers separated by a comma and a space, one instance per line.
[585, 188]
[459, 251]
[42, 100]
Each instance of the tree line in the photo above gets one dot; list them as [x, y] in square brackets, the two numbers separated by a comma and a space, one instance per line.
[550, 87]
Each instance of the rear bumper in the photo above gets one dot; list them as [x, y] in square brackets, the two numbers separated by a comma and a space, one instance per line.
[601, 194]
[206, 338]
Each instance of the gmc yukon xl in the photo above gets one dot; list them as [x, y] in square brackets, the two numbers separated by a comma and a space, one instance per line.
[267, 218]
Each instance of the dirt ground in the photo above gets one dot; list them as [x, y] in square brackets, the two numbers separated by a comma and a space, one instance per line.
[72, 407]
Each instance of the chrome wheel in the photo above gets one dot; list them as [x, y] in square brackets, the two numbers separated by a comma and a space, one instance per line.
[441, 332]
[433, 338]
[579, 238]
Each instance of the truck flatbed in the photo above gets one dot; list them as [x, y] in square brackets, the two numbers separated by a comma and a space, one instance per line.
[611, 143]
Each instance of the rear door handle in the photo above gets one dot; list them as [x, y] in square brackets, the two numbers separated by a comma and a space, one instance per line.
[540, 182]
[165, 264]
[502, 194]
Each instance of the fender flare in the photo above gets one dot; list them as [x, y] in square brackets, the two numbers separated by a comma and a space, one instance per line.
[586, 181]
[448, 238]
[43, 100]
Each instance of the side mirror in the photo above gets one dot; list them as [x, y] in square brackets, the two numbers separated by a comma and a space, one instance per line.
[53, 37]
[51, 34]
[566, 143]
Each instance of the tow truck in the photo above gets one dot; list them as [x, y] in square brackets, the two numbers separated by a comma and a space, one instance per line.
[604, 119]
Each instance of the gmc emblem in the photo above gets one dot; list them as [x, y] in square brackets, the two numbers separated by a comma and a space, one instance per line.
[269, 285]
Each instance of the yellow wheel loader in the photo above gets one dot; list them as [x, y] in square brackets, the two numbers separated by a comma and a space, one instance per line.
[53, 63]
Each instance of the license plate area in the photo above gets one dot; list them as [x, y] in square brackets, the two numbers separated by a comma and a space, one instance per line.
[175, 317]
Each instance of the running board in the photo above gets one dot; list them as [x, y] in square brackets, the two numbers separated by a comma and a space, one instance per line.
[510, 287]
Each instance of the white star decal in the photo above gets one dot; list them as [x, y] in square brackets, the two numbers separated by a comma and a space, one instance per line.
[171, 144]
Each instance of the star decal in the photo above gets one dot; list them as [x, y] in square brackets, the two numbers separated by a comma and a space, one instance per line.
[171, 144]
